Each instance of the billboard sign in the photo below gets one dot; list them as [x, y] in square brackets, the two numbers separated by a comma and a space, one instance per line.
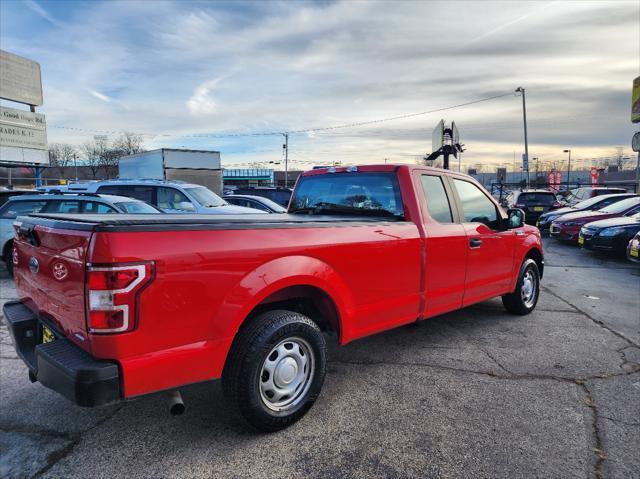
[635, 101]
[437, 137]
[20, 79]
[22, 129]
[594, 176]
[525, 162]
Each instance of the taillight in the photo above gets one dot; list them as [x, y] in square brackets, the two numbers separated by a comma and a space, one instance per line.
[112, 294]
[519, 205]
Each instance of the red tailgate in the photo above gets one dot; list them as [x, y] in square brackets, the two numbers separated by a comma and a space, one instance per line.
[50, 276]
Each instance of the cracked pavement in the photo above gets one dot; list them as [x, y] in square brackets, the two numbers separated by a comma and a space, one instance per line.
[475, 393]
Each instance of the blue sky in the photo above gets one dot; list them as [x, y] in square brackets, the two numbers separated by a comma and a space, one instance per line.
[176, 70]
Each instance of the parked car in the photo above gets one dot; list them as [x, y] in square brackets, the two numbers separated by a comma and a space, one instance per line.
[533, 202]
[586, 192]
[612, 235]
[246, 297]
[568, 226]
[168, 196]
[592, 204]
[278, 195]
[256, 202]
[6, 193]
[61, 203]
[633, 249]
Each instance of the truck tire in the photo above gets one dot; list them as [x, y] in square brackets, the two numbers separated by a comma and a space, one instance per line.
[525, 297]
[275, 369]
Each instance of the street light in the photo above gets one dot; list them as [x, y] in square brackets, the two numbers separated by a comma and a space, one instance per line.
[568, 167]
[526, 142]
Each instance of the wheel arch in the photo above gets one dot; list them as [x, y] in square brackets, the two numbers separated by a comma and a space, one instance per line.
[536, 255]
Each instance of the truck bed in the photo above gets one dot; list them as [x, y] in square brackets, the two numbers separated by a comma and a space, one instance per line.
[174, 222]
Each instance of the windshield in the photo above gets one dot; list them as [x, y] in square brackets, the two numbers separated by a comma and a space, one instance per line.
[137, 208]
[205, 196]
[363, 194]
[621, 206]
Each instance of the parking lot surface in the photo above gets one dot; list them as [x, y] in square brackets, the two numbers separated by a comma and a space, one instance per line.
[475, 393]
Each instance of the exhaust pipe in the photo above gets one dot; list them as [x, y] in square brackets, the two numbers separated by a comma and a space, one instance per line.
[176, 405]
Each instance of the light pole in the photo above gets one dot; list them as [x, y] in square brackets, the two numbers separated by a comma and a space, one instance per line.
[568, 167]
[526, 142]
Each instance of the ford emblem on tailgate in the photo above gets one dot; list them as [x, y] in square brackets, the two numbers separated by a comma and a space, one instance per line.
[34, 265]
[60, 271]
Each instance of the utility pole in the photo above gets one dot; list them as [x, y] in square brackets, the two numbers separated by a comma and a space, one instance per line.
[568, 168]
[526, 141]
[75, 162]
[286, 159]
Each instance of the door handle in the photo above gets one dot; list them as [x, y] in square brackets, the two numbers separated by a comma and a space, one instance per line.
[475, 242]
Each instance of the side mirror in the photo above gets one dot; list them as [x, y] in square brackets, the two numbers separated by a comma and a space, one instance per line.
[515, 218]
[186, 206]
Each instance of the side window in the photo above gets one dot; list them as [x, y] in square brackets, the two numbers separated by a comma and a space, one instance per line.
[476, 207]
[170, 198]
[437, 200]
[95, 208]
[257, 206]
[17, 208]
[63, 206]
[139, 192]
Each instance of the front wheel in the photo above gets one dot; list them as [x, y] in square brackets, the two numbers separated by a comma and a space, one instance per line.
[525, 297]
[275, 369]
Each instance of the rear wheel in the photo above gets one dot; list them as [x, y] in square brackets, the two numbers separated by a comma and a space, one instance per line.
[275, 369]
[525, 297]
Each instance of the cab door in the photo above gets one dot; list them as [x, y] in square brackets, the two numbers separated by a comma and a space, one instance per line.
[445, 248]
[490, 250]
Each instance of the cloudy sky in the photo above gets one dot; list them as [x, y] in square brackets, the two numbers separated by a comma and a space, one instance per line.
[184, 74]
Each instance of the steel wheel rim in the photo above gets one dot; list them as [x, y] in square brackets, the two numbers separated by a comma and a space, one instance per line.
[286, 374]
[528, 288]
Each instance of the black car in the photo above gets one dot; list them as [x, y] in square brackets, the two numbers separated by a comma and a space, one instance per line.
[256, 202]
[533, 202]
[595, 203]
[279, 195]
[611, 235]
[6, 193]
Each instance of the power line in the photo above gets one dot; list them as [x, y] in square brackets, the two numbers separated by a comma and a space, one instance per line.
[299, 131]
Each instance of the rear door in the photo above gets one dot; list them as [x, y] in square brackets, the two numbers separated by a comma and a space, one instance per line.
[50, 274]
[490, 251]
[445, 245]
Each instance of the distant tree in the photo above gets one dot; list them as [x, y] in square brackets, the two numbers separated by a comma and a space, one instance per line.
[61, 155]
[104, 154]
[128, 143]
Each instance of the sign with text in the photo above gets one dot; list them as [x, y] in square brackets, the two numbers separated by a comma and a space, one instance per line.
[22, 129]
[20, 79]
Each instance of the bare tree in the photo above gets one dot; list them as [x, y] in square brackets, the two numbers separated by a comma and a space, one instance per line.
[93, 153]
[128, 143]
[61, 155]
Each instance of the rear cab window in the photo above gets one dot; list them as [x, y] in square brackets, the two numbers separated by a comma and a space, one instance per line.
[349, 193]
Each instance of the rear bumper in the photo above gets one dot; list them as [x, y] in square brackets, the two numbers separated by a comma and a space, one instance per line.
[61, 365]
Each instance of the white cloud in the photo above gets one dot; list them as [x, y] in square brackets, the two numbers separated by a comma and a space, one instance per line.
[99, 96]
[37, 8]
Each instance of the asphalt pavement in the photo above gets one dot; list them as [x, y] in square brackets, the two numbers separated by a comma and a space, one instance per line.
[475, 393]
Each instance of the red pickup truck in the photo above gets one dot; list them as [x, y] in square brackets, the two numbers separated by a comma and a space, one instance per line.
[111, 308]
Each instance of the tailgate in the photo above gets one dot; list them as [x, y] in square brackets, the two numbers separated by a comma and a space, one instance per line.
[50, 275]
